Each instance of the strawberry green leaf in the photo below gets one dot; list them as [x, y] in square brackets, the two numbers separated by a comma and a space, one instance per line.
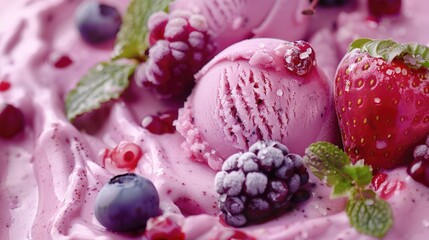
[327, 162]
[370, 216]
[132, 41]
[414, 54]
[103, 83]
[361, 175]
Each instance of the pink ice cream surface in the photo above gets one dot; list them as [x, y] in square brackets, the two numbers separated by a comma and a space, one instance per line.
[246, 94]
[51, 173]
[233, 21]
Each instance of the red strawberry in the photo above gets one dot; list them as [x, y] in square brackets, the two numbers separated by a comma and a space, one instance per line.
[382, 101]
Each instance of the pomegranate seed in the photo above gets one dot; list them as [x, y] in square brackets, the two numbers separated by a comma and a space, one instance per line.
[59, 60]
[153, 124]
[391, 187]
[168, 118]
[160, 228]
[11, 121]
[378, 179]
[126, 155]
[4, 86]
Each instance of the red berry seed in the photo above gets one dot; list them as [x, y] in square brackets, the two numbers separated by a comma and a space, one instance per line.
[11, 121]
[59, 60]
[4, 86]
[163, 228]
[126, 155]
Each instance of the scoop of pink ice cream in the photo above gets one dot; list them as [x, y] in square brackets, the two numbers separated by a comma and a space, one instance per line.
[246, 94]
[233, 21]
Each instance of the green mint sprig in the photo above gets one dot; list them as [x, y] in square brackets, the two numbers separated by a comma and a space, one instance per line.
[416, 54]
[103, 83]
[107, 81]
[132, 39]
[367, 213]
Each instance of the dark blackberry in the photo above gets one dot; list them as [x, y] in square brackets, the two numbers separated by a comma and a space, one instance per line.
[257, 184]
[180, 46]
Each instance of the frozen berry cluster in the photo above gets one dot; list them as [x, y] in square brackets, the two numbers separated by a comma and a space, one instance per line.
[256, 184]
[180, 45]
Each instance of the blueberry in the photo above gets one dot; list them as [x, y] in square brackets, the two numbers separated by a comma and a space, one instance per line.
[97, 22]
[126, 203]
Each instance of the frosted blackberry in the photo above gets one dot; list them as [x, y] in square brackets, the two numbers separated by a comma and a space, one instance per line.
[259, 183]
[180, 46]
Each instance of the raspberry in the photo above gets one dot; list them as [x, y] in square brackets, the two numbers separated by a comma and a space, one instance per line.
[256, 184]
[299, 57]
[180, 46]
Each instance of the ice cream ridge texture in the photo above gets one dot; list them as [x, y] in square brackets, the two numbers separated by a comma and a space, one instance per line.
[214, 120]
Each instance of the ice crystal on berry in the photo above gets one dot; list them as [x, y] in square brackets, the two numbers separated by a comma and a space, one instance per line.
[255, 184]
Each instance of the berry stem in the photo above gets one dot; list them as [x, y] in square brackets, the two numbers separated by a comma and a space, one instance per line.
[312, 9]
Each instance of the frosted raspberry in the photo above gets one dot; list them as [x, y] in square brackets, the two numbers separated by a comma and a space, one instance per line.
[180, 46]
[256, 184]
[299, 57]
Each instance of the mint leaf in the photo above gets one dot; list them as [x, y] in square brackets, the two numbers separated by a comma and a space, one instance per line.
[389, 50]
[131, 41]
[104, 82]
[367, 213]
[370, 216]
[327, 162]
[361, 175]
[341, 189]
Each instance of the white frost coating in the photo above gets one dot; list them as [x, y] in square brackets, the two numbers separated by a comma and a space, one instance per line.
[196, 40]
[421, 151]
[159, 50]
[219, 179]
[231, 163]
[198, 22]
[175, 27]
[294, 183]
[233, 182]
[271, 156]
[256, 183]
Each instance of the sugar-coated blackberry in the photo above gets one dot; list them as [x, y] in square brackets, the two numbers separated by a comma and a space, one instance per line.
[180, 46]
[256, 184]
